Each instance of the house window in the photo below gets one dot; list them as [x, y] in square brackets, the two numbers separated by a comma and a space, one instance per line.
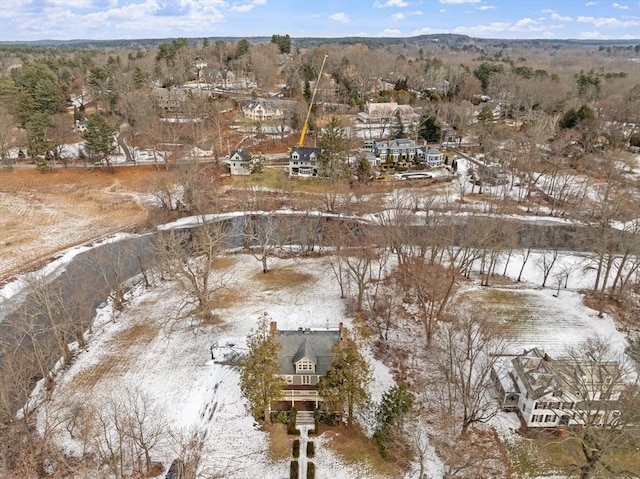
[549, 418]
[305, 364]
[288, 379]
[306, 379]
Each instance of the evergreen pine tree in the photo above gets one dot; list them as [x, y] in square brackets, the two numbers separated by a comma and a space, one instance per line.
[259, 380]
[396, 403]
[344, 387]
[99, 139]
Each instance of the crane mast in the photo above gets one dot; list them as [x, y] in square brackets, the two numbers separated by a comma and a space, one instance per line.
[305, 126]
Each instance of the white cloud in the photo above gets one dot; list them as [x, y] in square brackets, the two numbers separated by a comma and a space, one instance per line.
[390, 32]
[398, 17]
[591, 4]
[609, 22]
[459, 1]
[557, 16]
[340, 17]
[621, 7]
[76, 3]
[485, 7]
[390, 3]
[422, 31]
[522, 25]
[247, 6]
[442, 10]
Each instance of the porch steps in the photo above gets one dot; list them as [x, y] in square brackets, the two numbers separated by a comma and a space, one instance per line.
[304, 418]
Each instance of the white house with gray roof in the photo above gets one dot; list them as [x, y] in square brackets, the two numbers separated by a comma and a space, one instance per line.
[262, 110]
[550, 392]
[303, 161]
[304, 357]
[241, 162]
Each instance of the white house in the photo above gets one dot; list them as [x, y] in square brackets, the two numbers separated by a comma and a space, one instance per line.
[563, 392]
[303, 161]
[431, 156]
[241, 162]
[261, 110]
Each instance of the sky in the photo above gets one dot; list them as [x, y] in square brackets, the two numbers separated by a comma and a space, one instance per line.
[128, 19]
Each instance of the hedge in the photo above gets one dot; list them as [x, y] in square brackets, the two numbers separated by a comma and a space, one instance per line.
[296, 448]
[294, 470]
[311, 449]
[311, 470]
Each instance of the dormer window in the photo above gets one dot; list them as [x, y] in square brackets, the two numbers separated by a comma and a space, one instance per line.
[295, 156]
[305, 365]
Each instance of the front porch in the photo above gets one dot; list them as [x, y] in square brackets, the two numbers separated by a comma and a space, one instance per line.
[301, 399]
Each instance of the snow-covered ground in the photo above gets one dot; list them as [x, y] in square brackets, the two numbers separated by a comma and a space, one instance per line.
[172, 363]
[143, 349]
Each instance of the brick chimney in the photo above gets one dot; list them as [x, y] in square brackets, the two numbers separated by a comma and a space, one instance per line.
[273, 327]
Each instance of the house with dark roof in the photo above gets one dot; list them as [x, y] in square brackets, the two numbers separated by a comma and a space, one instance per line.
[303, 161]
[547, 392]
[241, 162]
[405, 150]
[304, 357]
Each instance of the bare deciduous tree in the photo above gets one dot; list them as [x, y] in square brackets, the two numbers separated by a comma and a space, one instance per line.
[466, 355]
[190, 256]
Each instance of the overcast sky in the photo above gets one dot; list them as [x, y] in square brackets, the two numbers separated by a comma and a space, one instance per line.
[113, 19]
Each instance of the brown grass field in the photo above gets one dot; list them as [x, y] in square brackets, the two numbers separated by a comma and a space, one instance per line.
[42, 214]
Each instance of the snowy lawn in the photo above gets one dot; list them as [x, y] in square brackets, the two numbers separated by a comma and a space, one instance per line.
[143, 349]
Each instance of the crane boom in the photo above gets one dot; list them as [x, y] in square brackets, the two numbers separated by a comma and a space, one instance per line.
[305, 126]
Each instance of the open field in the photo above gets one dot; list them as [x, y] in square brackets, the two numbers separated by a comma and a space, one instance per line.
[42, 214]
[535, 317]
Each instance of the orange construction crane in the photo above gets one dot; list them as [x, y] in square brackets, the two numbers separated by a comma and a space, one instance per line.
[303, 133]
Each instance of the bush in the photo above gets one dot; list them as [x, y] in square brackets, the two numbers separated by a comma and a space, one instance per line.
[330, 419]
[291, 428]
[296, 448]
[311, 449]
[280, 417]
[294, 470]
[311, 470]
[291, 423]
[314, 431]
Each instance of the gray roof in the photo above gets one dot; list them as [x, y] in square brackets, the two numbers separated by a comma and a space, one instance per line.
[306, 351]
[305, 152]
[315, 345]
[242, 153]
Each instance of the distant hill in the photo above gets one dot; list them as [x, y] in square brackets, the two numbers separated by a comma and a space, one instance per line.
[303, 42]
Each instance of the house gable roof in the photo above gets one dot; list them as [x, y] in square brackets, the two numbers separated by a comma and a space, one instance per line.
[541, 375]
[305, 152]
[243, 154]
[299, 344]
[264, 104]
[305, 351]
